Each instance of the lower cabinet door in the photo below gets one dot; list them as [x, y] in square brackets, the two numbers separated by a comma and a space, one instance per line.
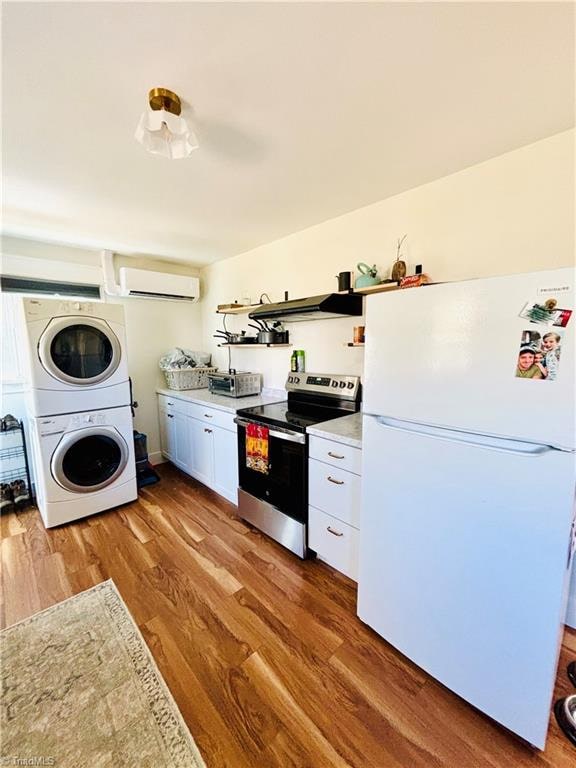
[334, 541]
[167, 433]
[226, 464]
[182, 457]
[201, 450]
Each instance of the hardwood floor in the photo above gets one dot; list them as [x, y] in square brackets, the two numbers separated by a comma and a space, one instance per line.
[263, 653]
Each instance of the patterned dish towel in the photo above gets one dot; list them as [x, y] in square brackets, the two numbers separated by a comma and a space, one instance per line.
[257, 448]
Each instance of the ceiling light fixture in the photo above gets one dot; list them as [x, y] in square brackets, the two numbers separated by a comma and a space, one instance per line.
[162, 130]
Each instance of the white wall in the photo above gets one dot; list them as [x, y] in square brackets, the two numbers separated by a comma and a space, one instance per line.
[152, 326]
[514, 213]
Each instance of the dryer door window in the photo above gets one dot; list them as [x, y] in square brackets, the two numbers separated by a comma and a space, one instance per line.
[79, 350]
[89, 459]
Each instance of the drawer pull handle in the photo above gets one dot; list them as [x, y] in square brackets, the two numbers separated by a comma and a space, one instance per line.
[335, 455]
[208, 430]
[336, 482]
[170, 403]
[170, 416]
[335, 533]
[208, 416]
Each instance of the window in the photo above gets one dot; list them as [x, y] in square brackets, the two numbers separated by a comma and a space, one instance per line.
[14, 368]
[30, 286]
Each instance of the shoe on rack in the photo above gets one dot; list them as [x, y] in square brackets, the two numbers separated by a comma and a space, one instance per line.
[6, 499]
[19, 492]
[10, 422]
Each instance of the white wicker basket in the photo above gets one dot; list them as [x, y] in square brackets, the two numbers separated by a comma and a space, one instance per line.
[187, 378]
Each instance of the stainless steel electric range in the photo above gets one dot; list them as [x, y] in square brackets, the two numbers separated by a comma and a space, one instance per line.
[276, 500]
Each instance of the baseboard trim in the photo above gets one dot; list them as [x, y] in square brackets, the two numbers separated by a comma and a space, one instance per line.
[156, 457]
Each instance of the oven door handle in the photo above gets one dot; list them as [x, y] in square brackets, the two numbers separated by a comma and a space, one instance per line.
[292, 437]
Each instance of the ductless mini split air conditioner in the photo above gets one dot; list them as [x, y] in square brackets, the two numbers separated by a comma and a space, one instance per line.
[146, 284]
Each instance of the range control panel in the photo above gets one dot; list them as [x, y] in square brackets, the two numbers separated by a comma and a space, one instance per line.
[324, 383]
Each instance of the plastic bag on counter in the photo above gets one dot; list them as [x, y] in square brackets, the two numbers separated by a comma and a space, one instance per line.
[184, 358]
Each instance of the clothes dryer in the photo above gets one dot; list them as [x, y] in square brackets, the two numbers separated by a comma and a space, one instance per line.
[77, 356]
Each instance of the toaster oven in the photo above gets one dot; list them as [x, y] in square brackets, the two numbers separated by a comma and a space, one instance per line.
[235, 384]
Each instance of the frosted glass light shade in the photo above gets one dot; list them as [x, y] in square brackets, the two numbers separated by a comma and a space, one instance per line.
[163, 133]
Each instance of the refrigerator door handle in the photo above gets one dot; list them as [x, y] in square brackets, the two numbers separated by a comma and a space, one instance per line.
[502, 444]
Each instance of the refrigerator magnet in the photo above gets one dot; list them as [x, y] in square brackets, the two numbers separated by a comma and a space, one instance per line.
[546, 312]
[539, 355]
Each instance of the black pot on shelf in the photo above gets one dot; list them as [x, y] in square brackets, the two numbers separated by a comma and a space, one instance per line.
[344, 281]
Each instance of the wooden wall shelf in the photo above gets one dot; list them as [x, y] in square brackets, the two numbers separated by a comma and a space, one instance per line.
[253, 346]
[377, 288]
[238, 310]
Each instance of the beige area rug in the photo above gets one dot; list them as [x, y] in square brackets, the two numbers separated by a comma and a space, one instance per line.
[81, 689]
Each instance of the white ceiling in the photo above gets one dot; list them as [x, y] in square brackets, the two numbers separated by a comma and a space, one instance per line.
[304, 112]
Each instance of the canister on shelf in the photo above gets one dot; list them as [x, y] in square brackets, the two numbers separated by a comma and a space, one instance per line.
[300, 361]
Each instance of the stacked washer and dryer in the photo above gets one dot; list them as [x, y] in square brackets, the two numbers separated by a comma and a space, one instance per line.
[79, 408]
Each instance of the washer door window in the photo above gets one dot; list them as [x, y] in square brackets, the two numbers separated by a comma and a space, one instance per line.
[79, 350]
[89, 459]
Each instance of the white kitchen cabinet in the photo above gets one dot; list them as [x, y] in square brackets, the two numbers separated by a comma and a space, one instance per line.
[334, 487]
[167, 431]
[338, 454]
[202, 442]
[336, 491]
[182, 456]
[225, 463]
[334, 541]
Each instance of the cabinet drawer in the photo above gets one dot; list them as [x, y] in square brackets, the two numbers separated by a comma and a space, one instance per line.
[341, 456]
[165, 402]
[334, 491]
[334, 541]
[213, 416]
[173, 404]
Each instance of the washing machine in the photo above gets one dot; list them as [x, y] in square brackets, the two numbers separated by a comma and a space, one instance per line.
[77, 356]
[84, 463]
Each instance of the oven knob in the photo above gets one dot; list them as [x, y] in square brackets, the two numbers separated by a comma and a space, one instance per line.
[296, 380]
[290, 379]
[334, 383]
[342, 384]
[350, 385]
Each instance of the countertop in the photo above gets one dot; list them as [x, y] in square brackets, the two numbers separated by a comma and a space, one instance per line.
[346, 430]
[221, 402]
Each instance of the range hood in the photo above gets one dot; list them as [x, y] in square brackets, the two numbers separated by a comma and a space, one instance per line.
[314, 308]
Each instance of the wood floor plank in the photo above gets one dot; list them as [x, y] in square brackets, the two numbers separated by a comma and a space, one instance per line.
[214, 738]
[263, 652]
[304, 730]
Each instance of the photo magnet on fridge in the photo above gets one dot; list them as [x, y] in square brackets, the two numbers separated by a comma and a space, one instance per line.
[546, 312]
[539, 355]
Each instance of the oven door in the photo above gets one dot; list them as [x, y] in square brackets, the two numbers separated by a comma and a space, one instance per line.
[221, 385]
[286, 484]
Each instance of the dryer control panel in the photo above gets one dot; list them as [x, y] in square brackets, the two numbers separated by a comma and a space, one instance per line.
[87, 419]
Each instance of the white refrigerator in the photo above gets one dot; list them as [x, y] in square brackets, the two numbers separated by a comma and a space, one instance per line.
[467, 525]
